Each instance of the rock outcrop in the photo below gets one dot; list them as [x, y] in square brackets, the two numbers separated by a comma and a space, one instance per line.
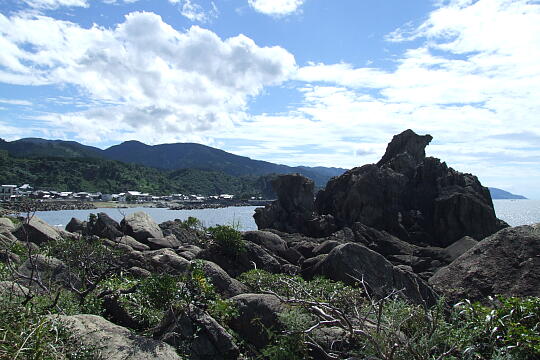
[416, 198]
[506, 263]
[140, 226]
[36, 231]
[115, 342]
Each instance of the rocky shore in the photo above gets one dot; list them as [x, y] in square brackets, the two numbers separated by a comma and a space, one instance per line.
[24, 206]
[376, 266]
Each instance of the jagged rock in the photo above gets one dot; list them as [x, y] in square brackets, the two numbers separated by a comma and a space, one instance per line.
[253, 256]
[197, 332]
[139, 272]
[131, 242]
[348, 261]
[417, 199]
[141, 226]
[381, 241]
[115, 342]
[506, 263]
[223, 283]
[168, 241]
[325, 247]
[257, 315]
[77, 226]
[36, 231]
[183, 234]
[105, 227]
[294, 207]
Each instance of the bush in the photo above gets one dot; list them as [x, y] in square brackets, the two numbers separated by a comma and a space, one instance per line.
[228, 239]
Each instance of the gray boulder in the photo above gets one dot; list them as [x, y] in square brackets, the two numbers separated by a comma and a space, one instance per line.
[268, 240]
[12, 289]
[115, 342]
[352, 261]
[132, 243]
[223, 283]
[77, 226]
[141, 226]
[37, 231]
[459, 248]
[105, 227]
[192, 329]
[506, 263]
[168, 241]
[41, 269]
[167, 261]
[257, 315]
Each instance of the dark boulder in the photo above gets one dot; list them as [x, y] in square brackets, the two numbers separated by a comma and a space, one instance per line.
[77, 226]
[37, 231]
[105, 227]
[506, 263]
[352, 262]
[420, 200]
[293, 212]
[258, 317]
[199, 335]
[168, 241]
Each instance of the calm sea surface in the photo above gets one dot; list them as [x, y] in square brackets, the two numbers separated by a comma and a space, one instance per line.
[514, 212]
[243, 216]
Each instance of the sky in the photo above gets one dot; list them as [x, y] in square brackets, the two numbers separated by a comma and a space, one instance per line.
[296, 82]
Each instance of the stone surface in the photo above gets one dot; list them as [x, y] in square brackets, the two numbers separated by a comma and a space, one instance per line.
[167, 261]
[420, 200]
[44, 269]
[506, 263]
[105, 227]
[11, 289]
[37, 231]
[459, 247]
[195, 330]
[76, 226]
[115, 342]
[131, 242]
[168, 241]
[140, 226]
[349, 261]
[257, 315]
[268, 240]
[223, 283]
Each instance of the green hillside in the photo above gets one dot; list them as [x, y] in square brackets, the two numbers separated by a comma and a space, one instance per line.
[109, 176]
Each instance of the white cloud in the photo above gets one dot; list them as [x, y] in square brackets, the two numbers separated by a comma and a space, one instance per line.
[15, 102]
[195, 12]
[158, 80]
[54, 4]
[276, 7]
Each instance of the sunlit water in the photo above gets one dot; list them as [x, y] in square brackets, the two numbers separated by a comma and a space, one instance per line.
[514, 212]
[238, 216]
[518, 212]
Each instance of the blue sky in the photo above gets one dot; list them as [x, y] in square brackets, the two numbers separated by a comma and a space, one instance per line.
[298, 82]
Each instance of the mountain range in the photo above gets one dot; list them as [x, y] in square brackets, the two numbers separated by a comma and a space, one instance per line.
[166, 157]
[503, 194]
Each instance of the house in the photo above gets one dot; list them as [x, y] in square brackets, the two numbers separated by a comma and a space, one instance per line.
[226, 196]
[7, 192]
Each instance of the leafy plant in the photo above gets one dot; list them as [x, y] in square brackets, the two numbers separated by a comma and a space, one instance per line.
[228, 239]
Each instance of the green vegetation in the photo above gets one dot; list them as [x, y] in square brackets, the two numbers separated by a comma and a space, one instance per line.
[108, 176]
[228, 239]
[392, 329]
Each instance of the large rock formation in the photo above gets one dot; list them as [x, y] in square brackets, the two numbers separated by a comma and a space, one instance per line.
[416, 198]
[506, 263]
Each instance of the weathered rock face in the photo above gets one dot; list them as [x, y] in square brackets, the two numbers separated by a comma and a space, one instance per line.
[141, 226]
[418, 199]
[37, 231]
[115, 342]
[197, 331]
[506, 263]
[352, 261]
[105, 227]
[294, 207]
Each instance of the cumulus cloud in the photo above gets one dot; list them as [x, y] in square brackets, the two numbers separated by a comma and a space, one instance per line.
[276, 7]
[153, 78]
[195, 12]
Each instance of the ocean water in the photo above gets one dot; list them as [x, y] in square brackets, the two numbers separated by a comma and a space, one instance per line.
[514, 212]
[518, 212]
[240, 216]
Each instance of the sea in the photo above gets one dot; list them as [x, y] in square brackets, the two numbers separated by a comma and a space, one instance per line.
[514, 212]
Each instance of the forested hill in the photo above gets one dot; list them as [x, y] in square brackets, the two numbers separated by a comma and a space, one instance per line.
[167, 157]
[109, 176]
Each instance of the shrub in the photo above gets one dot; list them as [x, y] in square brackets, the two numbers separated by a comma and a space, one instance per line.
[228, 239]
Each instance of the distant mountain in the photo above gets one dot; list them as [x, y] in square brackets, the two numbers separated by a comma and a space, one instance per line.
[36, 147]
[167, 157]
[502, 194]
